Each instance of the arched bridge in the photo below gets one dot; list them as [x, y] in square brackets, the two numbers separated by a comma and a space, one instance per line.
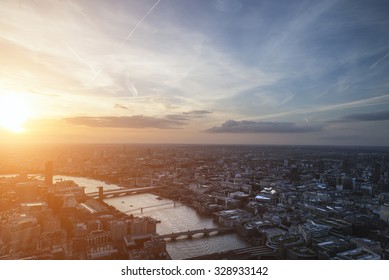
[189, 234]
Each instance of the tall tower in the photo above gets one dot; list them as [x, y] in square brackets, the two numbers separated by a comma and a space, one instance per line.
[377, 172]
[49, 173]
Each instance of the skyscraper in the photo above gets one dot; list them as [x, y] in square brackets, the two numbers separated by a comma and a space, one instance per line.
[49, 173]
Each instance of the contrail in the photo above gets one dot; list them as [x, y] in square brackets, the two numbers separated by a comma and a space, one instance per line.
[352, 104]
[379, 61]
[137, 25]
[80, 58]
[131, 87]
[126, 39]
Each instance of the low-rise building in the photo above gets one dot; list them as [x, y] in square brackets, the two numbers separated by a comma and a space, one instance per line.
[357, 254]
[311, 230]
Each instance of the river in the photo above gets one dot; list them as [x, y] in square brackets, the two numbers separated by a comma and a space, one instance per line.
[173, 219]
[89, 184]
[176, 219]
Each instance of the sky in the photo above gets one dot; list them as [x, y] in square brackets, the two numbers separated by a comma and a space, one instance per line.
[195, 71]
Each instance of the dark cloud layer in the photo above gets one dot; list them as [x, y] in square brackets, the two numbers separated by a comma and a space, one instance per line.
[177, 117]
[119, 106]
[197, 112]
[365, 117]
[127, 122]
[232, 126]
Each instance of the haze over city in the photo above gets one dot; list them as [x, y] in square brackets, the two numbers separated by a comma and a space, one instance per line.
[169, 71]
[211, 130]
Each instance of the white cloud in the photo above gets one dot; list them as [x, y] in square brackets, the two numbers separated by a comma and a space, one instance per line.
[232, 126]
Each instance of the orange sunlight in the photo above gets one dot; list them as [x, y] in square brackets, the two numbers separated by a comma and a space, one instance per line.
[13, 112]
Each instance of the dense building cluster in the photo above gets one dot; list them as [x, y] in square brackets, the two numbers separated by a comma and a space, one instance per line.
[287, 202]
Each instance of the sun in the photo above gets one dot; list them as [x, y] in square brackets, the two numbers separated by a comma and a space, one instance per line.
[13, 112]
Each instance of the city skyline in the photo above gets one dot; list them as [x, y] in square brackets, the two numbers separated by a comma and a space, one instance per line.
[208, 202]
[202, 72]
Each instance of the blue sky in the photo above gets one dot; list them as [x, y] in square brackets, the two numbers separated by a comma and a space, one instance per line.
[233, 71]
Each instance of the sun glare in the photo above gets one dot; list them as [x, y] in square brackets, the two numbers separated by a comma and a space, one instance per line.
[13, 112]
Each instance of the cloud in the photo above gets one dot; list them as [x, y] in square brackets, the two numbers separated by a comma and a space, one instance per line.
[119, 106]
[137, 122]
[378, 61]
[232, 126]
[177, 117]
[128, 37]
[23, 67]
[227, 6]
[373, 101]
[364, 117]
[131, 87]
[342, 138]
[73, 42]
[243, 60]
[197, 112]
[189, 115]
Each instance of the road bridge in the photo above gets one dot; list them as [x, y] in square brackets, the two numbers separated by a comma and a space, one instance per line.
[101, 194]
[174, 203]
[189, 234]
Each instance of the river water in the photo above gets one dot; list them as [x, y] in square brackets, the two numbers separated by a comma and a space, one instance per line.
[89, 184]
[173, 219]
[176, 219]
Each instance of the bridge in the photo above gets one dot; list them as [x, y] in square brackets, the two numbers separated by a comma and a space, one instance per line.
[152, 206]
[189, 234]
[101, 194]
